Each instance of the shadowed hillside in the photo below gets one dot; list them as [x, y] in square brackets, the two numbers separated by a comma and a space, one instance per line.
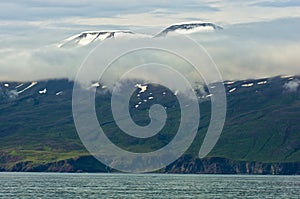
[37, 131]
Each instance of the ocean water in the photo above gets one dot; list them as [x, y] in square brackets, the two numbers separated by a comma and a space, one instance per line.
[66, 185]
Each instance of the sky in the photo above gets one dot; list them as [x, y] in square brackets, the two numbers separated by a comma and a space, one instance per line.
[259, 39]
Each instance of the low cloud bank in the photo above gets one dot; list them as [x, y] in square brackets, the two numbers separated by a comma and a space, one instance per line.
[240, 51]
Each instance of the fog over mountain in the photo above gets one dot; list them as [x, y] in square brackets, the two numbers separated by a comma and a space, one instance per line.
[257, 39]
[240, 51]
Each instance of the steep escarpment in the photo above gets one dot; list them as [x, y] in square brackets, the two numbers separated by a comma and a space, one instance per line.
[216, 165]
[184, 165]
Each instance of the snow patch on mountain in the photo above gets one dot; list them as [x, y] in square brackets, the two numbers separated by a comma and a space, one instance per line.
[28, 87]
[229, 83]
[18, 86]
[232, 90]
[261, 83]
[247, 85]
[59, 93]
[189, 28]
[44, 91]
[142, 88]
[88, 37]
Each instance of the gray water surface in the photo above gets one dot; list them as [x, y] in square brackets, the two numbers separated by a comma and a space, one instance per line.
[66, 185]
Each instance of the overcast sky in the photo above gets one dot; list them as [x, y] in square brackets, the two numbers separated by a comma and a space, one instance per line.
[260, 38]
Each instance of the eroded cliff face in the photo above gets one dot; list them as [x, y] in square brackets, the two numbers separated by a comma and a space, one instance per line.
[184, 165]
[80, 164]
[216, 165]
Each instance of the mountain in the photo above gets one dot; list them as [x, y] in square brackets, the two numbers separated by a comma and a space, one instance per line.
[89, 37]
[260, 135]
[189, 28]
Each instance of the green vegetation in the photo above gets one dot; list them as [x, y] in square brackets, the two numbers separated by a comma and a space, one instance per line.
[262, 124]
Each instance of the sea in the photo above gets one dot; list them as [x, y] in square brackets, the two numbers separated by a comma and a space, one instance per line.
[90, 185]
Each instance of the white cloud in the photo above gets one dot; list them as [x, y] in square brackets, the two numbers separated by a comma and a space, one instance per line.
[256, 41]
[242, 51]
[279, 3]
[292, 86]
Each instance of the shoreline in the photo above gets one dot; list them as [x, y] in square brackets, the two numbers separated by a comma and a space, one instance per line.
[184, 165]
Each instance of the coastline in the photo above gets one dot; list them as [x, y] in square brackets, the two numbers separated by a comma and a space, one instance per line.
[184, 165]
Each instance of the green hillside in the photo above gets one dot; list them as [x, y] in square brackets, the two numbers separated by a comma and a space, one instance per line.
[262, 123]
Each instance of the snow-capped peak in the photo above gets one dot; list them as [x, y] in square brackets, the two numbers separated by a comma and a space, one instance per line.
[189, 28]
[88, 37]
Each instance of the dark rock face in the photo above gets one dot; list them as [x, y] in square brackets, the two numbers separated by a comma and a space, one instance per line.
[96, 36]
[225, 166]
[81, 164]
[184, 165]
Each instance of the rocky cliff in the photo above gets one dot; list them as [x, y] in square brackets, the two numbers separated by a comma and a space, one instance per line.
[184, 165]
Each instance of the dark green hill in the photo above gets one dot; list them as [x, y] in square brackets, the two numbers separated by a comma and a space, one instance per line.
[37, 130]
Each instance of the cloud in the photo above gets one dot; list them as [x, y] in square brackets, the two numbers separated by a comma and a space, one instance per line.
[38, 9]
[292, 86]
[279, 4]
[241, 51]
[69, 17]
[44, 63]
[256, 41]
[255, 50]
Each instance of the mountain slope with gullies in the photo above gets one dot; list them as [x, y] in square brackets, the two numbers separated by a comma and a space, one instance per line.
[262, 127]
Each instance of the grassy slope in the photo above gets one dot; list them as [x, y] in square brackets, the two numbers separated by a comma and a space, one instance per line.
[262, 124]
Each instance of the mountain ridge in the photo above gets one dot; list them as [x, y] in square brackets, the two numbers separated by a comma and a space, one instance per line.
[261, 125]
[88, 37]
